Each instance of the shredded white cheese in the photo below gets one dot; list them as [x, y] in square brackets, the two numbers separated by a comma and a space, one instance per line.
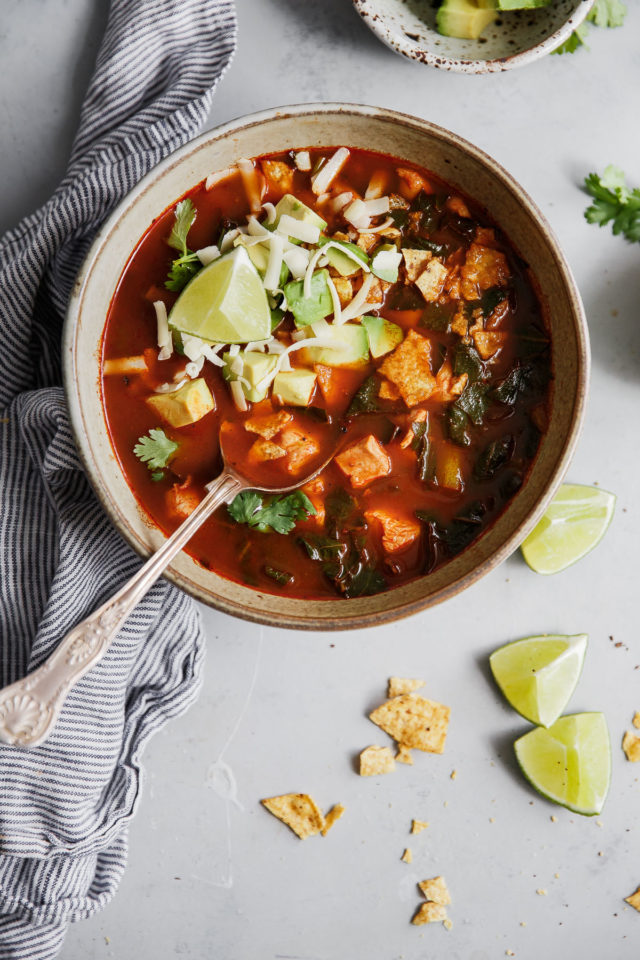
[271, 212]
[297, 345]
[298, 229]
[169, 387]
[207, 255]
[297, 260]
[194, 367]
[326, 175]
[320, 252]
[165, 340]
[375, 208]
[272, 273]
[215, 178]
[341, 200]
[227, 241]
[377, 185]
[251, 184]
[357, 215]
[237, 394]
[355, 307]
[303, 160]
[383, 226]
[335, 299]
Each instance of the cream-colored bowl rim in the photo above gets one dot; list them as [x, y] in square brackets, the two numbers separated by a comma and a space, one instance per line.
[465, 568]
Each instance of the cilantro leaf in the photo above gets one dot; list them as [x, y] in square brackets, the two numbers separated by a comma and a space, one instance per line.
[607, 13]
[614, 203]
[155, 450]
[574, 41]
[185, 214]
[277, 514]
[181, 271]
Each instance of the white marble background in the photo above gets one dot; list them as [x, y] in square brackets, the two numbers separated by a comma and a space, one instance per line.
[287, 711]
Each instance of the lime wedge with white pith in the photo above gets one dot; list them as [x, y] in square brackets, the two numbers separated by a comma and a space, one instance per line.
[538, 675]
[573, 524]
[225, 302]
[570, 763]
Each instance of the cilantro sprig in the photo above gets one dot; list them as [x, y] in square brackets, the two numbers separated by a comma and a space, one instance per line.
[155, 450]
[278, 514]
[603, 13]
[187, 264]
[614, 202]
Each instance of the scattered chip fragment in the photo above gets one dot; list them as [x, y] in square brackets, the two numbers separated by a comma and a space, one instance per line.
[414, 722]
[636, 720]
[298, 811]
[376, 760]
[404, 755]
[436, 890]
[407, 856]
[631, 746]
[429, 913]
[417, 826]
[334, 814]
[634, 900]
[400, 685]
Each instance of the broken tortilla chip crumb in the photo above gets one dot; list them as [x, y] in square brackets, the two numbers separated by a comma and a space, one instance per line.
[447, 924]
[334, 814]
[631, 746]
[404, 754]
[636, 720]
[376, 760]
[414, 722]
[634, 900]
[400, 685]
[417, 826]
[298, 811]
[429, 913]
[407, 856]
[436, 890]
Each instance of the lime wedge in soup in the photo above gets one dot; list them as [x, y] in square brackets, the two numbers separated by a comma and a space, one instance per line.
[538, 675]
[574, 523]
[225, 302]
[570, 763]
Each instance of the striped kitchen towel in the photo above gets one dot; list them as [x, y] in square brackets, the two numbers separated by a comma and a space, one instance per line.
[64, 806]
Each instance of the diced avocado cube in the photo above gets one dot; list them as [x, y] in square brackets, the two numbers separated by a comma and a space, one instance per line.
[465, 19]
[317, 306]
[383, 335]
[255, 368]
[351, 349]
[385, 262]
[341, 261]
[294, 387]
[298, 210]
[181, 407]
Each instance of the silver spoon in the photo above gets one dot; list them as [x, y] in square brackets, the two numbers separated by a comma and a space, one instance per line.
[30, 707]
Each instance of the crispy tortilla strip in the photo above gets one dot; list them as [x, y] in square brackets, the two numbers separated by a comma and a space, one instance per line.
[404, 755]
[407, 856]
[634, 900]
[334, 814]
[376, 760]
[298, 811]
[430, 913]
[387, 391]
[636, 720]
[266, 450]
[483, 268]
[631, 746]
[414, 722]
[432, 280]
[268, 425]
[415, 261]
[409, 369]
[417, 826]
[436, 890]
[400, 685]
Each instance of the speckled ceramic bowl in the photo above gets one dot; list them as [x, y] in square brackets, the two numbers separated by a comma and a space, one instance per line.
[516, 38]
[466, 168]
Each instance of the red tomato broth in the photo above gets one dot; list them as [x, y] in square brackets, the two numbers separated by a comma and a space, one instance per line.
[235, 551]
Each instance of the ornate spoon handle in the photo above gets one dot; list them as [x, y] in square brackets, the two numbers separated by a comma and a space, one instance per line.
[30, 707]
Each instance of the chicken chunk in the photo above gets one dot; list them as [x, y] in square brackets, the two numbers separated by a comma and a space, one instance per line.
[279, 175]
[415, 262]
[483, 268]
[431, 281]
[458, 206]
[182, 499]
[398, 533]
[409, 369]
[268, 425]
[448, 387]
[412, 182]
[299, 447]
[364, 461]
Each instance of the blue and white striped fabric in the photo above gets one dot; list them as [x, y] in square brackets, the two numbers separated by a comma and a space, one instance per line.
[64, 806]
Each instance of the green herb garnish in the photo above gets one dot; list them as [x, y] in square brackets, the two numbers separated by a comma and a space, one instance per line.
[155, 450]
[614, 203]
[604, 13]
[187, 264]
[277, 514]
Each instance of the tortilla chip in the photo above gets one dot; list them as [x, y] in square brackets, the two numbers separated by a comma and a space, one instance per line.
[429, 913]
[436, 891]
[404, 755]
[417, 826]
[631, 746]
[634, 900]
[376, 760]
[414, 722]
[407, 856]
[334, 814]
[400, 685]
[636, 720]
[298, 811]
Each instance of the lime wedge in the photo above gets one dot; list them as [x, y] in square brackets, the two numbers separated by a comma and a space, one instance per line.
[225, 302]
[570, 763]
[574, 523]
[538, 675]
